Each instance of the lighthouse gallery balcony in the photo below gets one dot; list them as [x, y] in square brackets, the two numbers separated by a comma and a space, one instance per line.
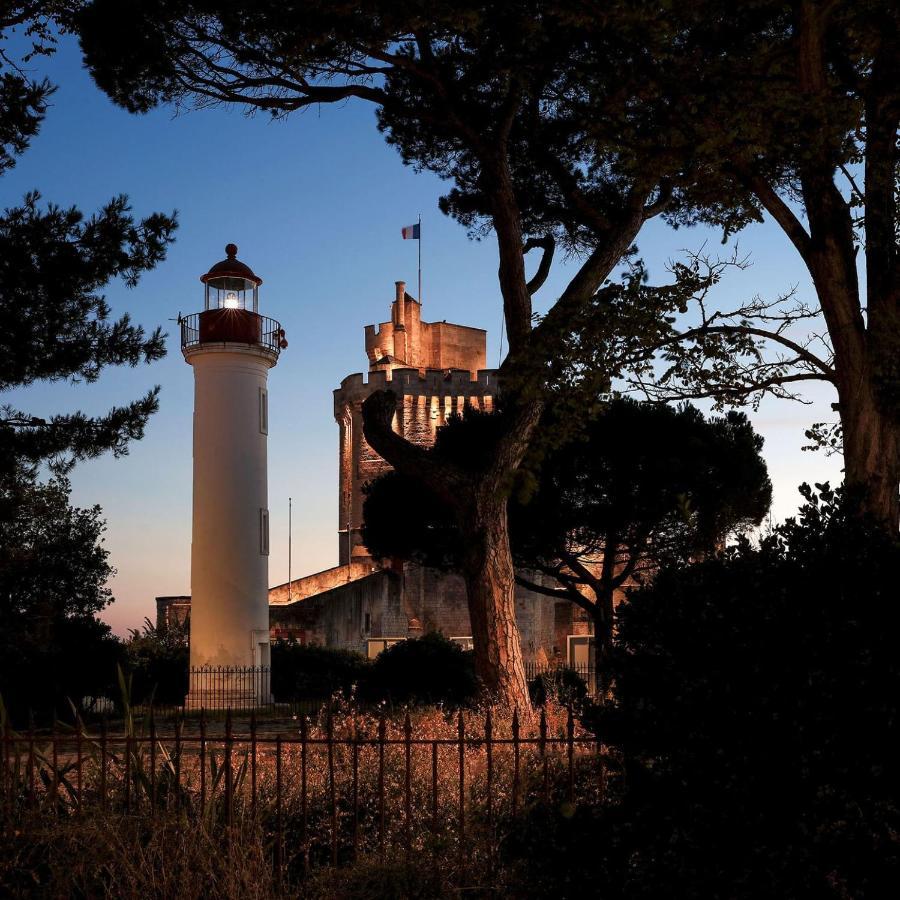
[232, 326]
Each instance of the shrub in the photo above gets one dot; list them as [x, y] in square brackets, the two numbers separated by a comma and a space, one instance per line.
[562, 684]
[157, 664]
[757, 721]
[429, 669]
[307, 671]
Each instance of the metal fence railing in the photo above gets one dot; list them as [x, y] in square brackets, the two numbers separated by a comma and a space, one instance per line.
[325, 791]
[229, 687]
[560, 673]
[269, 333]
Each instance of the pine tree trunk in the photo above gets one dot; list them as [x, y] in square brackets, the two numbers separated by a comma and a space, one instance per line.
[871, 454]
[603, 639]
[479, 502]
[490, 585]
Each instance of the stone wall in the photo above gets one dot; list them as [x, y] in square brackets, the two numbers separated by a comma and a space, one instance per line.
[408, 341]
[411, 601]
[426, 399]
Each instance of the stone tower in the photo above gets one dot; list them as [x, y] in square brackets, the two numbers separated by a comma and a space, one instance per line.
[435, 368]
[231, 348]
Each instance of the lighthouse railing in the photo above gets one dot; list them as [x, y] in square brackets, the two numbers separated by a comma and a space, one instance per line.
[268, 332]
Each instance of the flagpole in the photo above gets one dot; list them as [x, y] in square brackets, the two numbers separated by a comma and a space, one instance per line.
[420, 259]
[289, 549]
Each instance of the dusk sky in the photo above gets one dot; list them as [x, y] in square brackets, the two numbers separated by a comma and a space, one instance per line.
[315, 204]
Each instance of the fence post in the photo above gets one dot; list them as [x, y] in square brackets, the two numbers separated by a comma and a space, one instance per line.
[332, 790]
[407, 785]
[515, 738]
[202, 761]
[54, 740]
[179, 726]
[488, 749]
[461, 736]
[152, 763]
[381, 738]
[78, 761]
[229, 784]
[5, 757]
[253, 763]
[32, 795]
[279, 833]
[127, 761]
[434, 798]
[570, 739]
[304, 748]
[355, 788]
[543, 752]
[103, 764]
[601, 770]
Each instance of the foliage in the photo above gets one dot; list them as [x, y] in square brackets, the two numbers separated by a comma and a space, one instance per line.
[756, 712]
[158, 664]
[57, 327]
[310, 671]
[562, 684]
[431, 669]
[645, 485]
[56, 264]
[53, 575]
[558, 125]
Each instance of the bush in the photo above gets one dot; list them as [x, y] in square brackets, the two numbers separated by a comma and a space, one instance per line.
[757, 715]
[430, 669]
[310, 672]
[157, 664]
[563, 684]
[44, 682]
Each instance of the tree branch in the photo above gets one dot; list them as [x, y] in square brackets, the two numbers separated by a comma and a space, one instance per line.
[442, 478]
[548, 244]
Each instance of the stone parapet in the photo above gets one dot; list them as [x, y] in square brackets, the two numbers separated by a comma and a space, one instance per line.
[416, 382]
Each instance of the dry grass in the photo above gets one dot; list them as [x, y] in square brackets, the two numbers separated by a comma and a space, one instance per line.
[380, 826]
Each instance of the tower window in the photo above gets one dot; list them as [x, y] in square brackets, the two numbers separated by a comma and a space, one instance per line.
[264, 532]
[263, 411]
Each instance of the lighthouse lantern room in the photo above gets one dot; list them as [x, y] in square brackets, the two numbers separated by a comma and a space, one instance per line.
[231, 348]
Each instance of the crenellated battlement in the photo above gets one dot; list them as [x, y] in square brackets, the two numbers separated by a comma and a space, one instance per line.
[431, 382]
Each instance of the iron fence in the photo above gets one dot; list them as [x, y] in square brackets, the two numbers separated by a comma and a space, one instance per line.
[229, 687]
[560, 674]
[324, 792]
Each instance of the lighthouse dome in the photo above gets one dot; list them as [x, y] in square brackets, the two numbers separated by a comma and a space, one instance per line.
[231, 267]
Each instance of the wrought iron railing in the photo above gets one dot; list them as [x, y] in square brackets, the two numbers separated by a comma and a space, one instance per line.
[324, 791]
[270, 334]
[229, 687]
[587, 673]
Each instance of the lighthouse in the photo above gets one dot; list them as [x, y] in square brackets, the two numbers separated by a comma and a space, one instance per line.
[231, 348]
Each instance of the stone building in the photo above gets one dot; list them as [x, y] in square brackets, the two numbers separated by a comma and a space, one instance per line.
[435, 368]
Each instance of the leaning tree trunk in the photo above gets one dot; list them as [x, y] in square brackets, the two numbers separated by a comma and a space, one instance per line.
[871, 453]
[488, 571]
[479, 503]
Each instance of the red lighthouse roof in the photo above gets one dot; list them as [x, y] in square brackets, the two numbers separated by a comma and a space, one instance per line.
[231, 268]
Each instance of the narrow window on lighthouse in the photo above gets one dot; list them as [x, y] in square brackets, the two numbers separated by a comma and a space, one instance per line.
[263, 411]
[264, 532]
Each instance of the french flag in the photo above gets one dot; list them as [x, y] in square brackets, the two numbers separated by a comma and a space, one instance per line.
[411, 232]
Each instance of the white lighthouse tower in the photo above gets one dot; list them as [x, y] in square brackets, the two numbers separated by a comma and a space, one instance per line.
[231, 348]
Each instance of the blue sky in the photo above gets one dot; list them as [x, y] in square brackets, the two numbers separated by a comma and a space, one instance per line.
[315, 204]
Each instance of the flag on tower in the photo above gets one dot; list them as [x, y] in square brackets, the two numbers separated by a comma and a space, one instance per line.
[412, 232]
